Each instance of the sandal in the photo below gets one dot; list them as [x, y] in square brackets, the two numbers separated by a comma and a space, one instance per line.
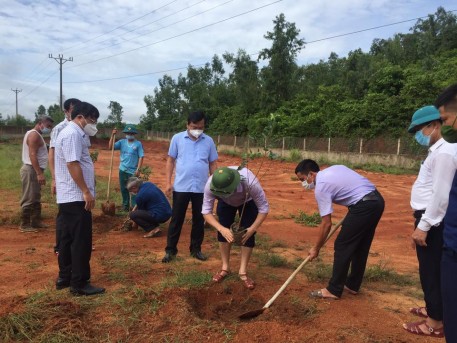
[221, 275]
[414, 328]
[153, 233]
[248, 282]
[419, 311]
[319, 295]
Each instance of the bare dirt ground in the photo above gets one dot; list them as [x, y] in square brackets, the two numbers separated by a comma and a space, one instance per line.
[125, 260]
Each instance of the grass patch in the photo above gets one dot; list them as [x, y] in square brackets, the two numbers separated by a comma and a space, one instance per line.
[272, 260]
[187, 279]
[318, 271]
[307, 219]
[380, 273]
[294, 156]
[264, 242]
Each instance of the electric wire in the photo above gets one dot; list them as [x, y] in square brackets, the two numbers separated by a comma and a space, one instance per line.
[178, 35]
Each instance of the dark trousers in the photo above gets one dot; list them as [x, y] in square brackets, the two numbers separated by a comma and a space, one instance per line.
[59, 225]
[146, 220]
[448, 289]
[123, 178]
[429, 258]
[178, 214]
[75, 246]
[227, 213]
[353, 245]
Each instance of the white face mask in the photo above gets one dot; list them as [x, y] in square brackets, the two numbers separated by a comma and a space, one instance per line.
[307, 185]
[90, 129]
[196, 133]
[45, 130]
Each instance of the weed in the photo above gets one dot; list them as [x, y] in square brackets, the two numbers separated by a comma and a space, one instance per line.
[272, 260]
[318, 271]
[94, 155]
[307, 219]
[188, 279]
[380, 272]
[228, 334]
[294, 156]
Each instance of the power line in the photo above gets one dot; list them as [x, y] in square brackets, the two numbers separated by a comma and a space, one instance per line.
[120, 26]
[179, 35]
[149, 32]
[253, 54]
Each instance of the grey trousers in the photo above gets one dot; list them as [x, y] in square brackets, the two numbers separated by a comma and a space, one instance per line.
[31, 189]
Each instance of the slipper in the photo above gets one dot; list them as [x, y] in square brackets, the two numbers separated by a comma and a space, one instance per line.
[219, 276]
[248, 282]
[415, 329]
[419, 311]
[350, 291]
[318, 295]
[152, 234]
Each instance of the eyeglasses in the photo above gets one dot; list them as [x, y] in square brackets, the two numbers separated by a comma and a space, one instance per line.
[91, 120]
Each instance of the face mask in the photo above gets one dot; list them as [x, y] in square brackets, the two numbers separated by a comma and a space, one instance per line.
[422, 139]
[130, 137]
[196, 133]
[45, 130]
[90, 129]
[307, 185]
[449, 133]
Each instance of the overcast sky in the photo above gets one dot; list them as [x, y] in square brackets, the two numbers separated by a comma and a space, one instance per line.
[139, 41]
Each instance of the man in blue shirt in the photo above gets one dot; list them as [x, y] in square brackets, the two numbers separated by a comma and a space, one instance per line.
[447, 105]
[152, 207]
[194, 156]
[343, 186]
[132, 155]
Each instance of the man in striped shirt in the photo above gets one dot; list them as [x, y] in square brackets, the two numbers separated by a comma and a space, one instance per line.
[75, 188]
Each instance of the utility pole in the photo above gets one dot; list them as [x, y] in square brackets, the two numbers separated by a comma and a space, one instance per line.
[61, 61]
[16, 91]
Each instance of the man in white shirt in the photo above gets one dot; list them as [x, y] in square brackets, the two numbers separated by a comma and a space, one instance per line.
[429, 200]
[35, 160]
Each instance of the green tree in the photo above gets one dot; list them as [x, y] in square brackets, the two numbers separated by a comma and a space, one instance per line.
[41, 111]
[279, 78]
[56, 113]
[115, 116]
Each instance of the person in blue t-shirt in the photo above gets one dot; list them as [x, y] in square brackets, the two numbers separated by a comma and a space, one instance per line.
[152, 207]
[132, 155]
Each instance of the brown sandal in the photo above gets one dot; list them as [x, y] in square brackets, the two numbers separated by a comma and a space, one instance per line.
[414, 328]
[219, 276]
[248, 282]
[419, 311]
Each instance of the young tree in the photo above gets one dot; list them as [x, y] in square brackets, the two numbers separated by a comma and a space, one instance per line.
[41, 111]
[56, 113]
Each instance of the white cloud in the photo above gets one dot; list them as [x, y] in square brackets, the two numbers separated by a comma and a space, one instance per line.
[30, 30]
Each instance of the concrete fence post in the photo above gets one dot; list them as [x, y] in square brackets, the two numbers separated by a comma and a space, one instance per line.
[304, 144]
[361, 146]
[328, 146]
[234, 144]
[218, 139]
[283, 146]
[398, 146]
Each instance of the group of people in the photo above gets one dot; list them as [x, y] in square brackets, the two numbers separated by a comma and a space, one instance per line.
[192, 157]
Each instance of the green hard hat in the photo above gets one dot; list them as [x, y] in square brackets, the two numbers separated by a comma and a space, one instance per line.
[130, 128]
[423, 115]
[224, 181]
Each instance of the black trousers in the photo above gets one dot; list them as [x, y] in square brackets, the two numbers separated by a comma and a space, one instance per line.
[75, 246]
[353, 245]
[145, 220]
[178, 214]
[429, 258]
[59, 224]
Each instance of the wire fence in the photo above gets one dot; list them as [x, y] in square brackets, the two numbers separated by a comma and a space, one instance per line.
[405, 146]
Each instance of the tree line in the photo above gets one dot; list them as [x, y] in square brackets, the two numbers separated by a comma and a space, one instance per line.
[365, 94]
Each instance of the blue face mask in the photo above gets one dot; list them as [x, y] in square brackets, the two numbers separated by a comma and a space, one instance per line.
[422, 139]
[130, 137]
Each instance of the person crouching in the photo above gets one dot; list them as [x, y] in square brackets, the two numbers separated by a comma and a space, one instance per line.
[152, 207]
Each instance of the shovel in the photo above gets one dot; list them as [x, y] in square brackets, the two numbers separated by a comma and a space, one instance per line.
[255, 313]
[109, 208]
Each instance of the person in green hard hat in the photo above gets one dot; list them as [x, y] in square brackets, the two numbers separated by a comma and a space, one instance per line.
[235, 191]
[132, 155]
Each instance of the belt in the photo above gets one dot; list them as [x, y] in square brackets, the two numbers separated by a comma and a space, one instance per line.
[372, 196]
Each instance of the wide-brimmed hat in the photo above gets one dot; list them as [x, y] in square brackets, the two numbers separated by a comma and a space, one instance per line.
[423, 115]
[130, 128]
[224, 181]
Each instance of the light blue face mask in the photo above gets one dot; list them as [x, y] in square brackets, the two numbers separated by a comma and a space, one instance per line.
[45, 130]
[130, 137]
[422, 139]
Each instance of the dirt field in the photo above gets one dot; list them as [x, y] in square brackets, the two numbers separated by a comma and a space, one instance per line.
[209, 313]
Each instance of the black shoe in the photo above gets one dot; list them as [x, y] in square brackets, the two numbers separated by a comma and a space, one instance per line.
[62, 283]
[199, 256]
[168, 257]
[88, 289]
